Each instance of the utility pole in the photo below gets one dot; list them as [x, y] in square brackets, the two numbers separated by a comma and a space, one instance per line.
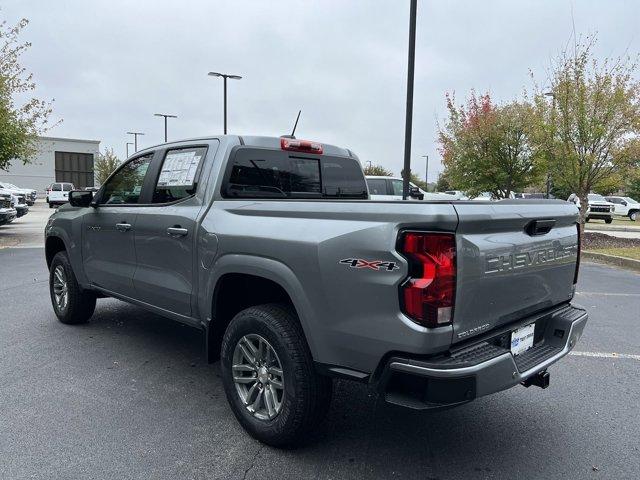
[224, 78]
[135, 139]
[165, 122]
[409, 118]
[426, 173]
[128, 143]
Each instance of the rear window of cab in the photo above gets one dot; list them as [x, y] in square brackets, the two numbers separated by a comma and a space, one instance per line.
[267, 173]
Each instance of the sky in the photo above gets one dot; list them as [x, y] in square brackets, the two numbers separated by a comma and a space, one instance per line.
[110, 65]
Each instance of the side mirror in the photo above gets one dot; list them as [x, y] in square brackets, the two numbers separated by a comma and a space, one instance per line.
[80, 198]
[414, 192]
[624, 203]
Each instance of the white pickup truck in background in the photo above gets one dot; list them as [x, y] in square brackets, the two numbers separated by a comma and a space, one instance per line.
[626, 206]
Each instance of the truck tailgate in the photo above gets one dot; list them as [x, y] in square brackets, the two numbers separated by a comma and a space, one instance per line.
[508, 267]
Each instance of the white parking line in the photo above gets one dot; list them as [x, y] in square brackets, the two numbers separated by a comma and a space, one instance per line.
[610, 294]
[606, 355]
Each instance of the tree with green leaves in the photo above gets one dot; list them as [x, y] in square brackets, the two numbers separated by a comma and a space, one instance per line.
[105, 165]
[587, 119]
[21, 121]
[487, 147]
[377, 170]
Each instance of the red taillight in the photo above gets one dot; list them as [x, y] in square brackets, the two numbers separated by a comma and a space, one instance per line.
[300, 146]
[575, 276]
[428, 295]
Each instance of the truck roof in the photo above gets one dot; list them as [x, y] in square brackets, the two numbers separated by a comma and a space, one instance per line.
[258, 141]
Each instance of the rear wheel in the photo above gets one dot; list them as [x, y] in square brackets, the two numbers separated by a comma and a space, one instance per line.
[70, 304]
[608, 220]
[51, 205]
[269, 377]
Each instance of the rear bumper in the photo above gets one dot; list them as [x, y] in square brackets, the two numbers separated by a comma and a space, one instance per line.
[483, 367]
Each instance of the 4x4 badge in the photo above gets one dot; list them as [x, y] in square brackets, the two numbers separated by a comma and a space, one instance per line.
[372, 264]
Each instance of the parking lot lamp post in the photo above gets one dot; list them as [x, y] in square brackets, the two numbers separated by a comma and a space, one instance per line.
[553, 134]
[426, 173]
[224, 78]
[135, 139]
[165, 122]
[128, 143]
[409, 117]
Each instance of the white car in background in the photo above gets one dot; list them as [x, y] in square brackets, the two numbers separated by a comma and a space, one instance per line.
[29, 194]
[59, 193]
[458, 194]
[625, 206]
[390, 188]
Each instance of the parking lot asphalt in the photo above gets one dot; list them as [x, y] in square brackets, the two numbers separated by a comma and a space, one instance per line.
[129, 395]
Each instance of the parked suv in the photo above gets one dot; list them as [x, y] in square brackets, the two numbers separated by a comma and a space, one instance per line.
[59, 193]
[7, 211]
[626, 206]
[599, 208]
[272, 247]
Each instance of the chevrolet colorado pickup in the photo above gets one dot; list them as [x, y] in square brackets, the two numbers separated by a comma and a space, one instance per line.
[272, 247]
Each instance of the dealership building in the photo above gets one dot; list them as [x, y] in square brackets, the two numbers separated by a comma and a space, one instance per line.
[58, 160]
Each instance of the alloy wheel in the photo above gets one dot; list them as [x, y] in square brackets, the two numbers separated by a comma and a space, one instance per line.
[258, 377]
[60, 288]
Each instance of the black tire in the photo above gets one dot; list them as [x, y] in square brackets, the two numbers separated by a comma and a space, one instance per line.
[80, 304]
[633, 216]
[307, 395]
[608, 220]
[50, 205]
[587, 220]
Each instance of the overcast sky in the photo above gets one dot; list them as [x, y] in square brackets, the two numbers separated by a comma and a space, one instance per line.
[110, 65]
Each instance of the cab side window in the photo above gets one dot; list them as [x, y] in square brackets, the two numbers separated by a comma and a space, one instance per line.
[377, 186]
[397, 187]
[125, 186]
[179, 174]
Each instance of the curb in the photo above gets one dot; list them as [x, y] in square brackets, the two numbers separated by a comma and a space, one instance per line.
[613, 229]
[628, 263]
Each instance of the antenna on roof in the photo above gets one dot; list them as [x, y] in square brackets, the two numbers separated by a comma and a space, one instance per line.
[293, 132]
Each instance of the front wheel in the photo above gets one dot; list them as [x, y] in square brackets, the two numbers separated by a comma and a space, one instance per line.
[269, 376]
[70, 304]
[633, 216]
[608, 220]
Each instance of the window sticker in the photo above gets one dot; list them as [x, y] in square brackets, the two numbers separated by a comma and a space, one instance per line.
[179, 169]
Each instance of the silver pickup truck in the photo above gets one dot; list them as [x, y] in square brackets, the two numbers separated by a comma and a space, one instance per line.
[272, 248]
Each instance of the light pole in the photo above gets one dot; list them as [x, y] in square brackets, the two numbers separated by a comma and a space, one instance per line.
[224, 78]
[426, 173]
[553, 133]
[165, 122]
[128, 143]
[409, 118]
[135, 139]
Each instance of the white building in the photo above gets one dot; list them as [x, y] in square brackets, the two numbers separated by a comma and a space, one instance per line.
[58, 160]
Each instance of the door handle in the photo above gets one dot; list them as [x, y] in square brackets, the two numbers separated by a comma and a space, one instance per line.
[177, 231]
[539, 227]
[123, 227]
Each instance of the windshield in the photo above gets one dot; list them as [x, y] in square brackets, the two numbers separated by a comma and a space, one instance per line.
[594, 197]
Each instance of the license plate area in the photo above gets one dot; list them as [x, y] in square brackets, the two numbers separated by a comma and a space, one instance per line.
[522, 339]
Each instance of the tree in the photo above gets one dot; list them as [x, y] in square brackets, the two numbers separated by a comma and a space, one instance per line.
[416, 180]
[487, 147]
[105, 165]
[587, 120]
[377, 170]
[443, 184]
[20, 121]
